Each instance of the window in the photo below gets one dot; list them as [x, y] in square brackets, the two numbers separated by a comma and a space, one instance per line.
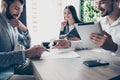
[44, 18]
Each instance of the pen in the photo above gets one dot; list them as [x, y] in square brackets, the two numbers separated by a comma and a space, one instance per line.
[47, 50]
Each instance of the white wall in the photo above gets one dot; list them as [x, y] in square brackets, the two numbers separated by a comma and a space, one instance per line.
[0, 5]
[44, 18]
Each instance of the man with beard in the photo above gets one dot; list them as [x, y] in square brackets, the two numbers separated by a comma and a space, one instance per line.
[110, 11]
[110, 22]
[13, 56]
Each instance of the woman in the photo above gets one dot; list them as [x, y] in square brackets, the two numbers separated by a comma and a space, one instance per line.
[67, 26]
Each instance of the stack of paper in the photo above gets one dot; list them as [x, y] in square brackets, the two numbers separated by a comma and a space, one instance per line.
[59, 53]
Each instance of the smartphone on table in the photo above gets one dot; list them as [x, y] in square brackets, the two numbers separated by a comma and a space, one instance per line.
[95, 63]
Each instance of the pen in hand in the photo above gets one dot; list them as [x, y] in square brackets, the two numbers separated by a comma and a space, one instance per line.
[46, 50]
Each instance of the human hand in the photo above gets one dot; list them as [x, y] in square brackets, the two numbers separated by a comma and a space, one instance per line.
[60, 44]
[35, 51]
[17, 23]
[98, 39]
[74, 39]
[105, 41]
[63, 25]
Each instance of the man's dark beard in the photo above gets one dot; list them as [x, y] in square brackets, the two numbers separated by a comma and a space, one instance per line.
[110, 11]
[8, 14]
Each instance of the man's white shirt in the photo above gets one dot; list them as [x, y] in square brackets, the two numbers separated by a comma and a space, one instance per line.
[113, 30]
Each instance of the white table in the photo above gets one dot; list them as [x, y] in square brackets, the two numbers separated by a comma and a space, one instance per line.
[74, 69]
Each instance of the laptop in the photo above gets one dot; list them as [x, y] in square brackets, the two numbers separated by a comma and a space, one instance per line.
[85, 29]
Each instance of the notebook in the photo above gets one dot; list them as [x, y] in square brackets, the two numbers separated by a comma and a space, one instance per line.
[85, 29]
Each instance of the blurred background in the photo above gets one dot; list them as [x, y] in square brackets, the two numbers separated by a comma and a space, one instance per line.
[43, 17]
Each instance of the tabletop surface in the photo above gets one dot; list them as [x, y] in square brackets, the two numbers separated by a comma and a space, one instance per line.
[74, 69]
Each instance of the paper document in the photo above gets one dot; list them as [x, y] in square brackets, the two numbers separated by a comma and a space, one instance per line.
[59, 53]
